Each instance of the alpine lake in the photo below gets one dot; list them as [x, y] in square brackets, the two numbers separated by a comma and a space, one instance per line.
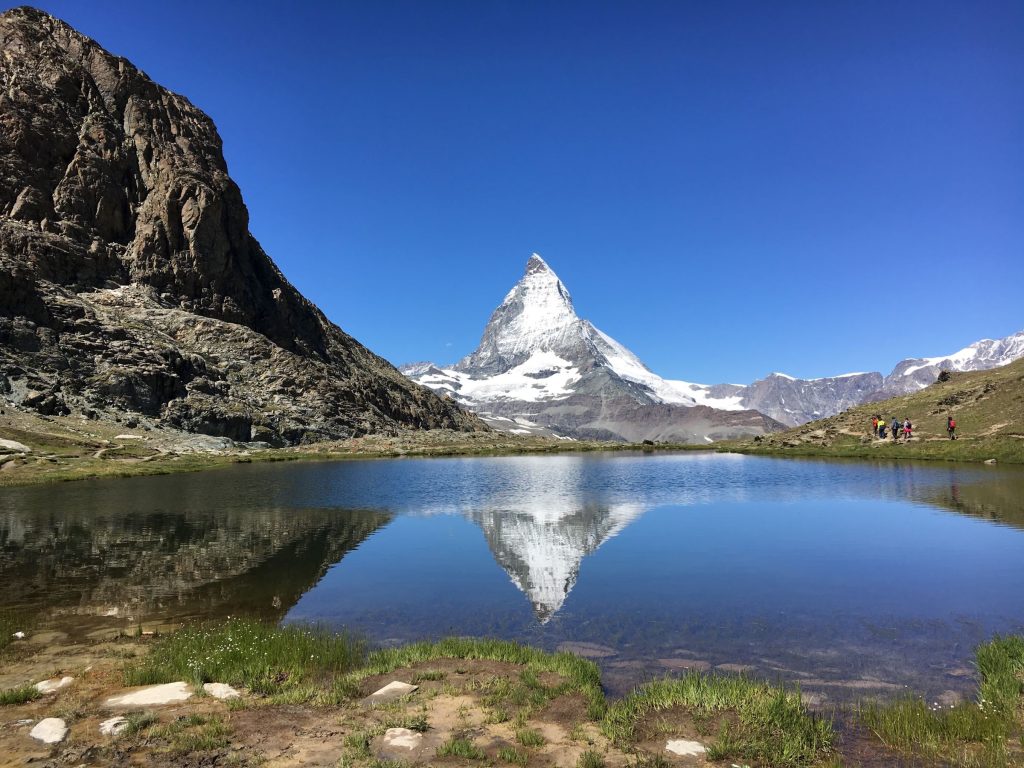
[851, 579]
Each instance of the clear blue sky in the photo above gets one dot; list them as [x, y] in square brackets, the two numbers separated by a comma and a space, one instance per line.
[727, 188]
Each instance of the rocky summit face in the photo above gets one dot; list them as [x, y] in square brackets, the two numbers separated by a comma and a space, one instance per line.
[131, 287]
[540, 367]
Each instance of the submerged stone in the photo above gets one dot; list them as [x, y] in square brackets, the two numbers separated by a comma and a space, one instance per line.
[588, 650]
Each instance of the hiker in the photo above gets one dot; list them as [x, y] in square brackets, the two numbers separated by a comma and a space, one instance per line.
[951, 427]
[907, 429]
[874, 426]
[895, 429]
[881, 429]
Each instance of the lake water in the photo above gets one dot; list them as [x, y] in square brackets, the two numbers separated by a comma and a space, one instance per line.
[854, 578]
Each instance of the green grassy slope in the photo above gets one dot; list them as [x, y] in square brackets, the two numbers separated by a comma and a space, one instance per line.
[988, 407]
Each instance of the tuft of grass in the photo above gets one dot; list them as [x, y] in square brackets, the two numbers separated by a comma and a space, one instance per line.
[460, 747]
[580, 675]
[416, 723]
[428, 674]
[137, 722]
[967, 734]
[529, 737]
[20, 695]
[513, 755]
[771, 724]
[193, 733]
[294, 662]
[590, 759]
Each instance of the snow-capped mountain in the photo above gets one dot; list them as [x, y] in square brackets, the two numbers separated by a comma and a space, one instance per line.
[795, 401]
[541, 369]
[539, 364]
[917, 373]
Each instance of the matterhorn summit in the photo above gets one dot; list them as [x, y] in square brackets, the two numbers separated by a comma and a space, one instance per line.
[536, 316]
[540, 368]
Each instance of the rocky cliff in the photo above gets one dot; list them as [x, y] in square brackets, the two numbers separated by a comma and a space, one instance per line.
[131, 287]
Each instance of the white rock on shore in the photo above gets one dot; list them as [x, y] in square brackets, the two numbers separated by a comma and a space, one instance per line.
[53, 685]
[52, 730]
[168, 693]
[114, 725]
[221, 691]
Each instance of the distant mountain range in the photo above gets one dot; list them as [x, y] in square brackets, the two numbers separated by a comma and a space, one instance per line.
[540, 368]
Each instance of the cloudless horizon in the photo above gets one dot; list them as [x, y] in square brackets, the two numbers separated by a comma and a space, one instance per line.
[728, 188]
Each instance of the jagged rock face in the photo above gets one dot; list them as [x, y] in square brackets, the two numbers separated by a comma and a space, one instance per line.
[540, 365]
[796, 401]
[129, 278]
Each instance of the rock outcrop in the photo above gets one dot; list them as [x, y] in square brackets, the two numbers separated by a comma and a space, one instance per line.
[131, 287]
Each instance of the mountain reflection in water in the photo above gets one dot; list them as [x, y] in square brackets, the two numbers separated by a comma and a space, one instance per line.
[812, 569]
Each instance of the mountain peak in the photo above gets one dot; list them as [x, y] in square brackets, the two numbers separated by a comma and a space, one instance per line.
[537, 264]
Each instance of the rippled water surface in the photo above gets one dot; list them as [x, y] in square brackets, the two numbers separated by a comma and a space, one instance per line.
[854, 578]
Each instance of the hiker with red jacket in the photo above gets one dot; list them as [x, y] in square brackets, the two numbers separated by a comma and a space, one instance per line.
[951, 427]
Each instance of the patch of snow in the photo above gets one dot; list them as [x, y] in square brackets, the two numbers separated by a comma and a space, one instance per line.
[543, 376]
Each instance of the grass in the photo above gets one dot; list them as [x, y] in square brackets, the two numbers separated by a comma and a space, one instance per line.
[760, 722]
[137, 722]
[20, 695]
[590, 759]
[460, 747]
[529, 737]
[580, 675]
[192, 733]
[513, 755]
[979, 733]
[292, 663]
